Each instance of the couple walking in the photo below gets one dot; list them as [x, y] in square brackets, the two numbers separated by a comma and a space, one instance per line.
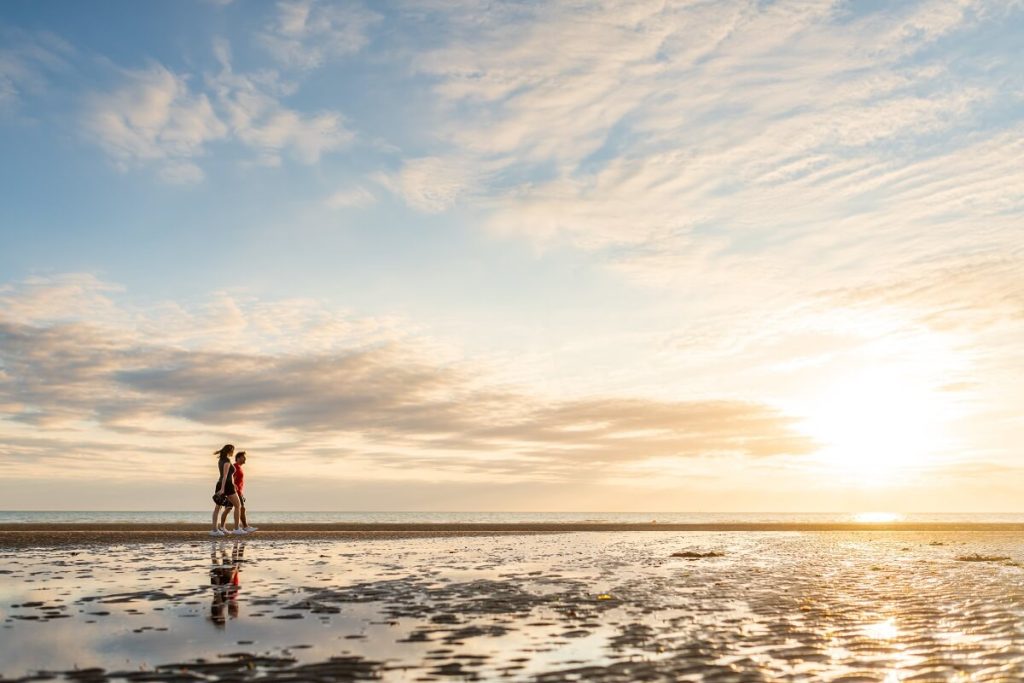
[228, 493]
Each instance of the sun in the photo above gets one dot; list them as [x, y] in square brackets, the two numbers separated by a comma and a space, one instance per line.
[878, 425]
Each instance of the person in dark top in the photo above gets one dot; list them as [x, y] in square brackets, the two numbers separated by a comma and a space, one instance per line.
[225, 495]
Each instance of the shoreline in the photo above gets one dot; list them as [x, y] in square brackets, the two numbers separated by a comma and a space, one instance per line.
[12, 540]
[517, 527]
[27, 535]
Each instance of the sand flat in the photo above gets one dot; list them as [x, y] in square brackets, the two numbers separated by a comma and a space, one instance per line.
[70, 538]
[613, 606]
[21, 533]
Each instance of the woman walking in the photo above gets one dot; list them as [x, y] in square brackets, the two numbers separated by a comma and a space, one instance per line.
[224, 495]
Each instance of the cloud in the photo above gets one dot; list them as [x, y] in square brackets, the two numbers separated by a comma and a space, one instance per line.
[399, 397]
[252, 107]
[378, 394]
[224, 322]
[689, 143]
[306, 34]
[181, 173]
[157, 117]
[430, 184]
[27, 61]
[970, 293]
[65, 297]
[154, 117]
[351, 197]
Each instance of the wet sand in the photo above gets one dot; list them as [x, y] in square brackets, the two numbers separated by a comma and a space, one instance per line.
[29, 535]
[548, 607]
[90, 537]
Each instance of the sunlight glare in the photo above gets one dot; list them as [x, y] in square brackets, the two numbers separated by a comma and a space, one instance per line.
[878, 425]
[877, 517]
[883, 630]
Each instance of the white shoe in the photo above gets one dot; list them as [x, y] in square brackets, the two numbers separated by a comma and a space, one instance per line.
[250, 529]
[238, 532]
[216, 532]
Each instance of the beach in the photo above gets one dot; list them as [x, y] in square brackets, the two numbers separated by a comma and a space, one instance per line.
[536, 604]
[541, 342]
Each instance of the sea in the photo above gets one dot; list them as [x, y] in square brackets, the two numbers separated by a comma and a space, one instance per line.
[343, 517]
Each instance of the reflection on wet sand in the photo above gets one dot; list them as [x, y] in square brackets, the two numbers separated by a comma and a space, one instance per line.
[225, 579]
[613, 607]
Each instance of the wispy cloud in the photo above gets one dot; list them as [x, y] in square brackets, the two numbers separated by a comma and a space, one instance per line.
[251, 104]
[306, 34]
[973, 293]
[431, 184]
[663, 136]
[27, 59]
[71, 296]
[351, 197]
[162, 118]
[154, 117]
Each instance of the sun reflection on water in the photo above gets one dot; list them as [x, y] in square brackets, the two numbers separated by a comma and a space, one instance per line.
[882, 630]
[877, 517]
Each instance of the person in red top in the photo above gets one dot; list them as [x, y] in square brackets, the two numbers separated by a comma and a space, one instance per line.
[239, 481]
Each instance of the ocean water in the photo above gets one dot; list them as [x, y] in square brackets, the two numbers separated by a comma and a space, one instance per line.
[292, 517]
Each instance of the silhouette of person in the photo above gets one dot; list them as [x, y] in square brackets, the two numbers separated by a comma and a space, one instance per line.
[225, 578]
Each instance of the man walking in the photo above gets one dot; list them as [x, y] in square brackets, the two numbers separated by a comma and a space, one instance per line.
[239, 479]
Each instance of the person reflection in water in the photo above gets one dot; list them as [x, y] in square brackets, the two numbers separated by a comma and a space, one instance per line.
[224, 578]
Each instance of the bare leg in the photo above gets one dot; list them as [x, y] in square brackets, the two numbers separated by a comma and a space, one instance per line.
[245, 523]
[216, 509]
[224, 517]
[237, 504]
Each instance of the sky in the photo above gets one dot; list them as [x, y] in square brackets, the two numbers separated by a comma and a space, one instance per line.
[549, 256]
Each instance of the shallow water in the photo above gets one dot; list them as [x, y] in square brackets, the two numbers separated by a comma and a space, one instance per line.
[865, 606]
